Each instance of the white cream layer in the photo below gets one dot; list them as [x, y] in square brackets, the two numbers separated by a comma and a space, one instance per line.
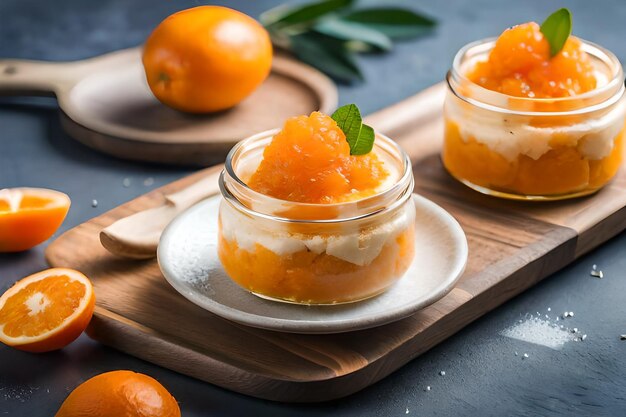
[594, 137]
[354, 246]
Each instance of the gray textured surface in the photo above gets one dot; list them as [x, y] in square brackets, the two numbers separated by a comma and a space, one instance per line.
[483, 376]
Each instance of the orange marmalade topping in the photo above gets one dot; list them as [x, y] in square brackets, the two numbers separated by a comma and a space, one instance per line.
[520, 65]
[309, 161]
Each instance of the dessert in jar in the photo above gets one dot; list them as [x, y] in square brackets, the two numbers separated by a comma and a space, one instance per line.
[307, 217]
[525, 119]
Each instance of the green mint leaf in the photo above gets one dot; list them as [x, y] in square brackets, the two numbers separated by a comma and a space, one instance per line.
[365, 141]
[360, 137]
[326, 54]
[290, 15]
[353, 32]
[349, 120]
[394, 22]
[556, 29]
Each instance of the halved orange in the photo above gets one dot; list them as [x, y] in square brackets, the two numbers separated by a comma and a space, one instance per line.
[47, 310]
[29, 216]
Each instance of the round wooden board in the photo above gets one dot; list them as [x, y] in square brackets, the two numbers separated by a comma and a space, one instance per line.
[106, 104]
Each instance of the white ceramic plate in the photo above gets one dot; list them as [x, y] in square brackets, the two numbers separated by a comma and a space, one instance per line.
[188, 258]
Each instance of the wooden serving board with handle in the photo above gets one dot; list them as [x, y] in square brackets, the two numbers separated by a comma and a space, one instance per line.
[106, 104]
[513, 245]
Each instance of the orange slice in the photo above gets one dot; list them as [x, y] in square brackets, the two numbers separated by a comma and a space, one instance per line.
[120, 394]
[29, 216]
[47, 310]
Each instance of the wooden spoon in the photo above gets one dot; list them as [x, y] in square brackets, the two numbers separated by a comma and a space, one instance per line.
[137, 236]
[107, 105]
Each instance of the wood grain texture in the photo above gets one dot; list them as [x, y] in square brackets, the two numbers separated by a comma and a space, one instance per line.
[512, 246]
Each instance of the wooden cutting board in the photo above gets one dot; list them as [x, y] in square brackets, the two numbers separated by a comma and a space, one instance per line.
[513, 245]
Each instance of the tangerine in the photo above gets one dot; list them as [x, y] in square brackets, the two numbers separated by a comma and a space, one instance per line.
[206, 59]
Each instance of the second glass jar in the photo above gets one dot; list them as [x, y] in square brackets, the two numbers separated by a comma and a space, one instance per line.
[529, 148]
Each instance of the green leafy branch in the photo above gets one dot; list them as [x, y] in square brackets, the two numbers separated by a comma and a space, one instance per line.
[327, 34]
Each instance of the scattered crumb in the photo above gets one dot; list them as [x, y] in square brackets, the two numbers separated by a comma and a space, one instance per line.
[428, 388]
[21, 394]
[148, 181]
[94, 203]
[597, 274]
[442, 373]
[126, 182]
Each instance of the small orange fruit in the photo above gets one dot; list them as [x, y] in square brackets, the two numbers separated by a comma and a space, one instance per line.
[47, 310]
[120, 394]
[206, 58]
[29, 216]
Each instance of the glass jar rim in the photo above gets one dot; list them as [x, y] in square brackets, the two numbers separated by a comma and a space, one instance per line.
[234, 189]
[604, 96]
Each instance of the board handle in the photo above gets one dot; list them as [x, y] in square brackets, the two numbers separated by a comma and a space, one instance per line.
[20, 77]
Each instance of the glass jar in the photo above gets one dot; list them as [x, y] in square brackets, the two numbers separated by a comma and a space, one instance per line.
[314, 253]
[531, 148]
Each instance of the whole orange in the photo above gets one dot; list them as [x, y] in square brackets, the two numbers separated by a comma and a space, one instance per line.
[120, 394]
[206, 59]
